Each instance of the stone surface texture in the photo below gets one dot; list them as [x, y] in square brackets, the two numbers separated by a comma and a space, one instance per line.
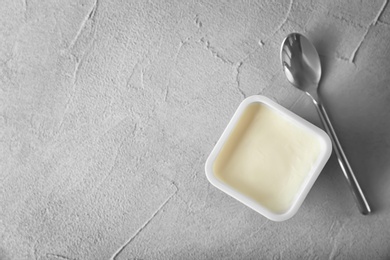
[109, 109]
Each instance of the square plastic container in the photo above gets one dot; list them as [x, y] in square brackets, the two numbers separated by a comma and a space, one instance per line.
[268, 158]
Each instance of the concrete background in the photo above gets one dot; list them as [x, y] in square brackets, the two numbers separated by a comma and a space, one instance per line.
[109, 109]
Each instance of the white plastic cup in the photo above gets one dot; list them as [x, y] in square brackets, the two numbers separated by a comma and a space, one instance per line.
[307, 184]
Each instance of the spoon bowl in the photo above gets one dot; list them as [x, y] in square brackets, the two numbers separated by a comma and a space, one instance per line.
[302, 67]
[301, 62]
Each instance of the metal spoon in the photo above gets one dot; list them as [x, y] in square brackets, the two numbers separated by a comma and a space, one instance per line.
[301, 64]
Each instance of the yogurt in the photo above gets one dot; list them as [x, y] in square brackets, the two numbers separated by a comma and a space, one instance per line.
[268, 158]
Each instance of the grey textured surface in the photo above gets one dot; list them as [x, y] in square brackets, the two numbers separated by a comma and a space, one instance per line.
[109, 109]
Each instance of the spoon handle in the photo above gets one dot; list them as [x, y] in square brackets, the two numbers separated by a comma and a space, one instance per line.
[343, 161]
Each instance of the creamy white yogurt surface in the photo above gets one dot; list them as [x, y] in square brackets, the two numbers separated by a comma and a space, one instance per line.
[267, 157]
